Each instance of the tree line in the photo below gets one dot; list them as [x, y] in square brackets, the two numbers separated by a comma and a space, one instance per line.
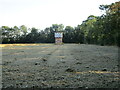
[101, 30]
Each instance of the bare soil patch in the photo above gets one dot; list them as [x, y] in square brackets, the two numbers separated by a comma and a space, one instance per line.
[60, 66]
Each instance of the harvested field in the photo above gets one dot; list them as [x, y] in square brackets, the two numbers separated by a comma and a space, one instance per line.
[59, 66]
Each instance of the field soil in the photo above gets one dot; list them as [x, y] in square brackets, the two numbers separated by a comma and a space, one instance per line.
[59, 66]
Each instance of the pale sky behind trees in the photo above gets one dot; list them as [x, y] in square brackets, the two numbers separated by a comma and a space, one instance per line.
[43, 13]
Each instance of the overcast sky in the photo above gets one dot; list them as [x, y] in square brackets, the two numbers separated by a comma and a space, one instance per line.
[44, 13]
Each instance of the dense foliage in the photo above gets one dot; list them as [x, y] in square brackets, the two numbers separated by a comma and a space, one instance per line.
[102, 30]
